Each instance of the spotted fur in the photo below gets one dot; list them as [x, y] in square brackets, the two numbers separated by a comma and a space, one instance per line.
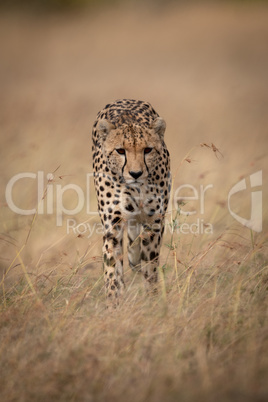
[132, 181]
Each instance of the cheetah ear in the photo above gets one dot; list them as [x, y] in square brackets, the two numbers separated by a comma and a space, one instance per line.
[104, 127]
[159, 126]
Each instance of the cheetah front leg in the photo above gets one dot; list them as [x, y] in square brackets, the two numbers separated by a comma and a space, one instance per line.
[150, 250]
[113, 263]
[134, 247]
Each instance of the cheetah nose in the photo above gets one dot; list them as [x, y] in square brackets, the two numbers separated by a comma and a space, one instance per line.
[136, 175]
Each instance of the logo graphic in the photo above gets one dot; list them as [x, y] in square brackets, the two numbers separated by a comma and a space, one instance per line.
[255, 221]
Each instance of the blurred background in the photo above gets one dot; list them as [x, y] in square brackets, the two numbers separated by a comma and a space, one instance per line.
[202, 65]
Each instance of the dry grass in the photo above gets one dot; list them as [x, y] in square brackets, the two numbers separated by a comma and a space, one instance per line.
[205, 336]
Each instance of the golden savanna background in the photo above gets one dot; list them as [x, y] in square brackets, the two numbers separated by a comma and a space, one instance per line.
[203, 67]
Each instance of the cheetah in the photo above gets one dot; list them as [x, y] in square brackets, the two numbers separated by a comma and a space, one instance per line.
[131, 168]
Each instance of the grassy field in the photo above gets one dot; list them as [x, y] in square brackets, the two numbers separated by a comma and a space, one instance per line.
[204, 337]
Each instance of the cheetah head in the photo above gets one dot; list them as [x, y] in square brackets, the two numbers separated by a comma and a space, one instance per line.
[132, 151]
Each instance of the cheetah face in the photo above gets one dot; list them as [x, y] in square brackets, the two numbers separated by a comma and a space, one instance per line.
[132, 152]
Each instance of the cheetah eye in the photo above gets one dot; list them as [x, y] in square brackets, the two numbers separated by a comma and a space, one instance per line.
[147, 150]
[121, 151]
